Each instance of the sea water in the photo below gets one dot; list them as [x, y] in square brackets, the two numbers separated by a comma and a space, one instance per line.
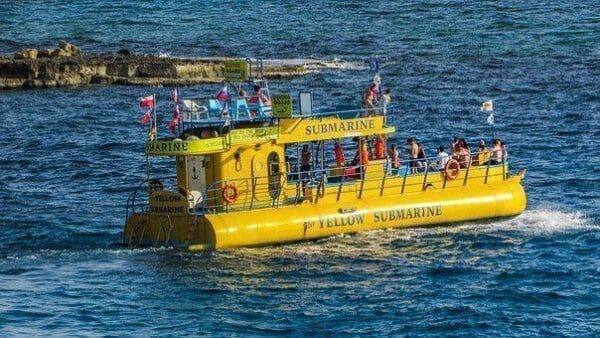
[70, 157]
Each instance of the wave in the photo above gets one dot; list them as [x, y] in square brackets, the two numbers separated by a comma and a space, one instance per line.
[319, 64]
[370, 244]
[312, 64]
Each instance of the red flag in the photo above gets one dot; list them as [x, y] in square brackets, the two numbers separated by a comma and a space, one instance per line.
[173, 124]
[147, 102]
[146, 118]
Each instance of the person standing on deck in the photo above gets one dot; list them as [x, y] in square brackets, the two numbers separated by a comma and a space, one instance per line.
[394, 157]
[386, 99]
[413, 154]
[305, 159]
[368, 102]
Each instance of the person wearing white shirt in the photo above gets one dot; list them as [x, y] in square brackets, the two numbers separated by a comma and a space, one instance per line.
[442, 158]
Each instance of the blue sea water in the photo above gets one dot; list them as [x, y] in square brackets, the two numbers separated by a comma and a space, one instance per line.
[69, 158]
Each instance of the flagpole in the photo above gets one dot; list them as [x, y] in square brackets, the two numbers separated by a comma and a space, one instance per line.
[154, 110]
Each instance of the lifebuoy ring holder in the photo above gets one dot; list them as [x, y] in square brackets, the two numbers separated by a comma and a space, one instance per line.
[452, 169]
[229, 194]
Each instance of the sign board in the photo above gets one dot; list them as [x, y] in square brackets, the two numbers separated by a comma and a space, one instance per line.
[236, 70]
[253, 134]
[282, 105]
[195, 147]
[168, 203]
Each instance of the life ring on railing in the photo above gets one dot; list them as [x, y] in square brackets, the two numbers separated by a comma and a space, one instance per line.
[452, 169]
[155, 185]
[230, 193]
[339, 155]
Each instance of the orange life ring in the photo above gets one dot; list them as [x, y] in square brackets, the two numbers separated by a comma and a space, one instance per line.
[339, 155]
[154, 185]
[452, 169]
[230, 193]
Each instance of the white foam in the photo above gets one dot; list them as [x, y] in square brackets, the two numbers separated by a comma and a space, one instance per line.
[311, 64]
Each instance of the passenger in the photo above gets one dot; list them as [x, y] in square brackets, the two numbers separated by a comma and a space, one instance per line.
[258, 96]
[422, 158]
[305, 160]
[464, 156]
[368, 102]
[483, 155]
[242, 94]
[464, 144]
[504, 151]
[454, 145]
[222, 96]
[497, 153]
[394, 157]
[387, 97]
[374, 88]
[442, 158]
[413, 154]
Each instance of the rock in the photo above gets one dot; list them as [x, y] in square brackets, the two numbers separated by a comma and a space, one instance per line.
[27, 53]
[46, 53]
[69, 49]
[125, 52]
[59, 52]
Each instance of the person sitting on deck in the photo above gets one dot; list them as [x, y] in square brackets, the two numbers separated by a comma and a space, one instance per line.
[259, 96]
[442, 159]
[483, 155]
[454, 145]
[463, 154]
[496, 152]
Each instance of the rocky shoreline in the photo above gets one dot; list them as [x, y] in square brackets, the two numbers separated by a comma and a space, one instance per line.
[68, 66]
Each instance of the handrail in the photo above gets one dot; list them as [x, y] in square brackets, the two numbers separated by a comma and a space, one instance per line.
[290, 187]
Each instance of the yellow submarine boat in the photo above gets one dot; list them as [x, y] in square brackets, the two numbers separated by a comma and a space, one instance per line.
[250, 174]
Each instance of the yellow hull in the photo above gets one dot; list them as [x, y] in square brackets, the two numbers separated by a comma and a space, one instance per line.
[309, 220]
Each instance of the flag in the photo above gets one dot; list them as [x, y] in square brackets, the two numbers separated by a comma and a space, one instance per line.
[374, 65]
[377, 79]
[175, 121]
[487, 106]
[490, 118]
[147, 102]
[174, 95]
[146, 118]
